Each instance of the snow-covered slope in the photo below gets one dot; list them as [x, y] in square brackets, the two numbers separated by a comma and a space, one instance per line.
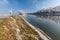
[56, 9]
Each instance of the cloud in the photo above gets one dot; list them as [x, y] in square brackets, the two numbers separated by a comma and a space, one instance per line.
[3, 1]
[43, 4]
[46, 4]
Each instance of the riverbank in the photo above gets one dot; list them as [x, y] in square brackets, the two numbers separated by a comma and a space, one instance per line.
[41, 33]
[15, 28]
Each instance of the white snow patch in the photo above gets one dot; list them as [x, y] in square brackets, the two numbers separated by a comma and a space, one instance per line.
[18, 36]
[17, 30]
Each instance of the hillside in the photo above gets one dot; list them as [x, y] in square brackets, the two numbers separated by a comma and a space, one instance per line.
[55, 11]
[14, 28]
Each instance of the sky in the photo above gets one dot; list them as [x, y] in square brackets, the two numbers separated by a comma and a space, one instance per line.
[26, 5]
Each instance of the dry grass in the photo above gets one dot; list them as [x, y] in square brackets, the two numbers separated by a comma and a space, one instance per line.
[14, 28]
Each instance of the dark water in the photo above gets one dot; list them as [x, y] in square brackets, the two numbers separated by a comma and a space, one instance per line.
[50, 27]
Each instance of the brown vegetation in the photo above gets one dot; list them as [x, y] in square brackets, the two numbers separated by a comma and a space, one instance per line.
[15, 28]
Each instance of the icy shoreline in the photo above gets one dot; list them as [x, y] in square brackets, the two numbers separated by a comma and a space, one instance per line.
[39, 32]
